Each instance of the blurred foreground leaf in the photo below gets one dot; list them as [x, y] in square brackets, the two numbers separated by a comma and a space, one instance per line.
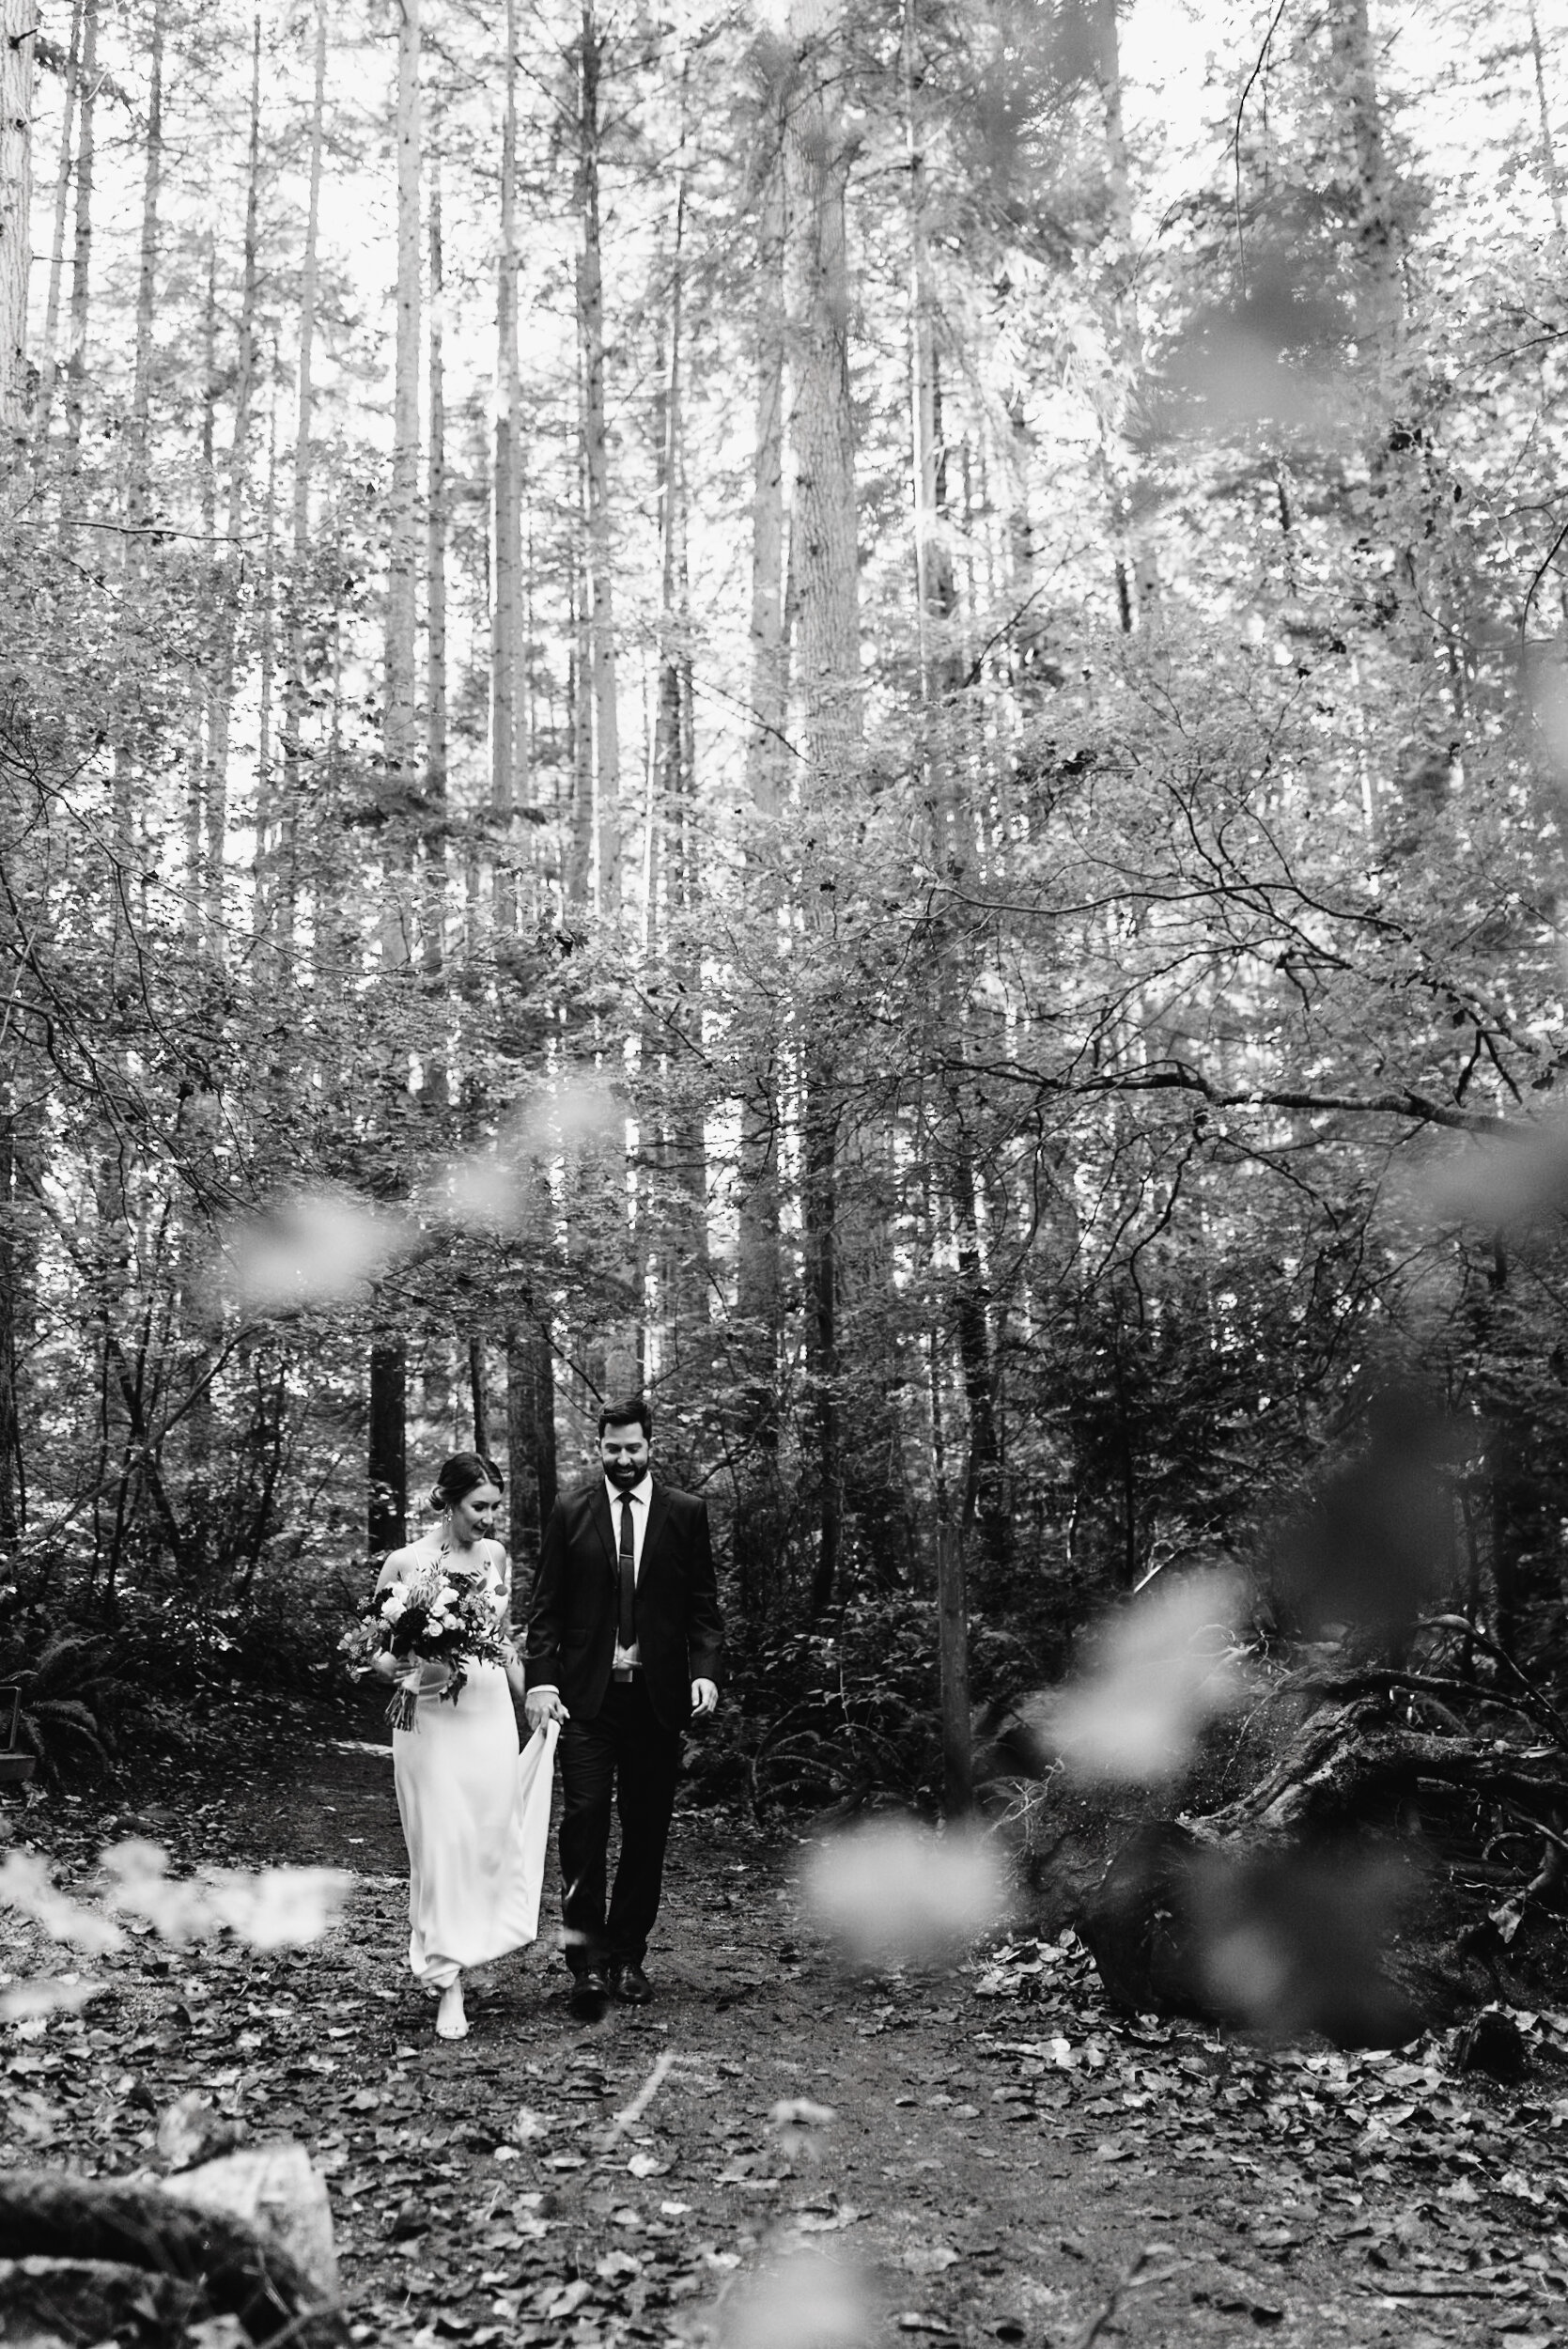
[1292, 1942]
[805, 2302]
[897, 1893]
[1167, 1664]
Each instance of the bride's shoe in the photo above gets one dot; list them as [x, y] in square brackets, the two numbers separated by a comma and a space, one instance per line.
[451, 2021]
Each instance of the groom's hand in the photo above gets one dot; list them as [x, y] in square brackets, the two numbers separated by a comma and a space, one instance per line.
[544, 1705]
[704, 1697]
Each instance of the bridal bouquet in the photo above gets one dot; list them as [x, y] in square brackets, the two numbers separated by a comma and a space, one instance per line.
[436, 1613]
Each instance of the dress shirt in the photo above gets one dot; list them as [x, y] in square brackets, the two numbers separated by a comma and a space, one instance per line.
[639, 1495]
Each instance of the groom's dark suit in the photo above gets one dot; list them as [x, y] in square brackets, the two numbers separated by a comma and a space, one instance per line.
[624, 1732]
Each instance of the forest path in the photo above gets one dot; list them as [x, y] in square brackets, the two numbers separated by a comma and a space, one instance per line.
[1000, 2152]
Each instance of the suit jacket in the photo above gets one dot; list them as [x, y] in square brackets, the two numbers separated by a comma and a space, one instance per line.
[575, 1606]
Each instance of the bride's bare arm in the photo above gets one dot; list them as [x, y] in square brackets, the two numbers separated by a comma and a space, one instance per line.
[385, 1666]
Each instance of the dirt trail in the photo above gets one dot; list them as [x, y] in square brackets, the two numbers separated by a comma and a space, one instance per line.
[1001, 2154]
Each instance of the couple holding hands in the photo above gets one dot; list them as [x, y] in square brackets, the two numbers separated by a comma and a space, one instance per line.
[623, 1648]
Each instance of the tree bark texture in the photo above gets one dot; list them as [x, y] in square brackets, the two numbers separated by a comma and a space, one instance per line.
[758, 1292]
[824, 592]
[399, 739]
[18, 43]
[597, 535]
[952, 1650]
[297, 690]
[147, 276]
[387, 1450]
[24, 919]
[767, 749]
[1137, 569]
[531, 1454]
[433, 846]
[508, 717]
[1381, 292]
[131, 549]
[76, 362]
[49, 346]
[672, 831]
[227, 581]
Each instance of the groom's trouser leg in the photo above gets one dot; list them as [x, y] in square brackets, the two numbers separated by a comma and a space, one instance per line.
[586, 1757]
[647, 1765]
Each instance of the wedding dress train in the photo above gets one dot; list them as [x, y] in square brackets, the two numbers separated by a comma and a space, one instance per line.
[476, 1817]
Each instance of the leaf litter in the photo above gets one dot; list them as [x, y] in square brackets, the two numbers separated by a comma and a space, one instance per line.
[975, 2152]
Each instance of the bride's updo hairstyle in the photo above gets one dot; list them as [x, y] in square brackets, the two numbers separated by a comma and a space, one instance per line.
[462, 1475]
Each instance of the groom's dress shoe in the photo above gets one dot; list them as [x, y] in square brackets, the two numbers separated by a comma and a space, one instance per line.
[630, 1985]
[590, 1995]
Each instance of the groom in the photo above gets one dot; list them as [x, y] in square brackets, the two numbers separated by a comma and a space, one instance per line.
[624, 1642]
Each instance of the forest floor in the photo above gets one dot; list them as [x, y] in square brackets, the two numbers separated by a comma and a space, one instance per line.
[995, 2158]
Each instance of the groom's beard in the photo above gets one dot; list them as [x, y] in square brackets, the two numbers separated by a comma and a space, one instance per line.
[624, 1477]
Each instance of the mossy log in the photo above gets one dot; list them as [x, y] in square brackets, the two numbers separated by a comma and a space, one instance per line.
[108, 2237]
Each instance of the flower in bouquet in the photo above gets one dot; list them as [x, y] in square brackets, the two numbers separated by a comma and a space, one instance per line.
[433, 1613]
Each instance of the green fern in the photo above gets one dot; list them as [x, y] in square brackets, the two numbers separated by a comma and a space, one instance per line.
[64, 1690]
[40, 1717]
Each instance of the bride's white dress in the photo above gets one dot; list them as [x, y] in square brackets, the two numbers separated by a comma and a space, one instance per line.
[476, 1817]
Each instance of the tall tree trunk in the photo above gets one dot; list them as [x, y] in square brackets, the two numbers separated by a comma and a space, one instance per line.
[113, 1176]
[435, 608]
[1397, 457]
[606, 879]
[76, 362]
[1137, 570]
[49, 346]
[136, 446]
[388, 1367]
[672, 825]
[222, 706]
[935, 602]
[15, 1292]
[198, 758]
[146, 280]
[985, 1501]
[672, 741]
[264, 865]
[935, 598]
[1549, 170]
[479, 1394]
[531, 1458]
[953, 1659]
[530, 1383]
[24, 917]
[388, 1515]
[767, 748]
[399, 740]
[18, 42]
[824, 590]
[508, 733]
[296, 692]
[1380, 292]
[758, 1284]
[940, 674]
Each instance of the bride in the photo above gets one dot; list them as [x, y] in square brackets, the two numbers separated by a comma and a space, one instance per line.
[475, 1814]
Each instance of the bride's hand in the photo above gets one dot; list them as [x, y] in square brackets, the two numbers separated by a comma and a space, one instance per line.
[433, 1678]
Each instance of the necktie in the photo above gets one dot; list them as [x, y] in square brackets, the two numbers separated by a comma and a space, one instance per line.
[629, 1577]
